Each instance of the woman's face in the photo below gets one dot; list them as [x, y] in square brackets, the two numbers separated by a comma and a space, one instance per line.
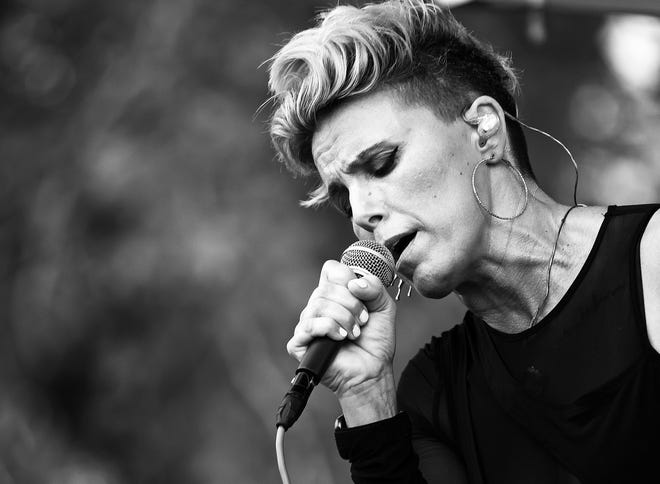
[404, 175]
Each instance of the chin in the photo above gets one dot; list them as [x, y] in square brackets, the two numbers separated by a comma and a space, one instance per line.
[433, 293]
[431, 288]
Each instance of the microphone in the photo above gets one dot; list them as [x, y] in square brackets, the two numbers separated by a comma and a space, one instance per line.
[364, 257]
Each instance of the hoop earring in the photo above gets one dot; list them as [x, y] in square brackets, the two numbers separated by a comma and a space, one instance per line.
[481, 204]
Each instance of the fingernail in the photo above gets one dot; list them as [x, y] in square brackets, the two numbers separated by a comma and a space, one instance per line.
[343, 333]
[364, 316]
[362, 283]
[356, 331]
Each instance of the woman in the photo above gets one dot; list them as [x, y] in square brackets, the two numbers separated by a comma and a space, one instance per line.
[408, 122]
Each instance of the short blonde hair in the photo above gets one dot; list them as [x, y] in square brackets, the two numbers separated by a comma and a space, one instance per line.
[414, 46]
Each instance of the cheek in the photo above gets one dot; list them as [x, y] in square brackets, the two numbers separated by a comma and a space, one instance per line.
[429, 179]
[429, 187]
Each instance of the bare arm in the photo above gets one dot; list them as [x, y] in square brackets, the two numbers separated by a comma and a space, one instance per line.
[650, 262]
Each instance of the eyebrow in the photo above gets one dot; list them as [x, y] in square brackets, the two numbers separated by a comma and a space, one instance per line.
[367, 155]
[362, 159]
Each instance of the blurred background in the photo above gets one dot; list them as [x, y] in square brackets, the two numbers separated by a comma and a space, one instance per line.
[154, 257]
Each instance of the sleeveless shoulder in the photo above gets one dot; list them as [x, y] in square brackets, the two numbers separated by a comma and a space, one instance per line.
[649, 278]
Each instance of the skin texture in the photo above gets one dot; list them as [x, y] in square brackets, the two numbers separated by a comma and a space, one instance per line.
[651, 279]
[432, 156]
[417, 179]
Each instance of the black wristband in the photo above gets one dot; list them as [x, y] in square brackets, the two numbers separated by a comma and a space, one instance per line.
[366, 441]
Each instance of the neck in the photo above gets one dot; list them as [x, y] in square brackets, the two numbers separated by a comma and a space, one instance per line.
[508, 284]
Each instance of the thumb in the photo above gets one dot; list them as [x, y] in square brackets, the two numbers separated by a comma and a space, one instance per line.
[371, 291]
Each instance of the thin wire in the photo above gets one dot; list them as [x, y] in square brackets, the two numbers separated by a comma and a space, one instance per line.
[279, 450]
[575, 166]
[552, 259]
[563, 220]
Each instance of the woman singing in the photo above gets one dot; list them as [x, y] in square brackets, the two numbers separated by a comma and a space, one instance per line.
[410, 125]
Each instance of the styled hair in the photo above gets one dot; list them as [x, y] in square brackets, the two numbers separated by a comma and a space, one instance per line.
[415, 48]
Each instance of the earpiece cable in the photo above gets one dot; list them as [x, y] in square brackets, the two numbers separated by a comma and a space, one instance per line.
[575, 166]
[563, 220]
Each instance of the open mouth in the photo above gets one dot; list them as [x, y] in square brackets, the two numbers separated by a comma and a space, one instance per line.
[401, 244]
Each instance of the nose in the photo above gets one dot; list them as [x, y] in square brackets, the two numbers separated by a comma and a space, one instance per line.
[367, 209]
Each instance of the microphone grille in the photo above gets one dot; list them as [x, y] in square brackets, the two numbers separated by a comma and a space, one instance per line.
[370, 257]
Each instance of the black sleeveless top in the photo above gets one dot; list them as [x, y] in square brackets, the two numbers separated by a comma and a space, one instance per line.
[575, 398]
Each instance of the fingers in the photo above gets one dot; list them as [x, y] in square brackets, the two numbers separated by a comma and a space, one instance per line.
[332, 294]
[337, 302]
[372, 293]
[339, 306]
[312, 328]
[368, 289]
[332, 310]
[336, 272]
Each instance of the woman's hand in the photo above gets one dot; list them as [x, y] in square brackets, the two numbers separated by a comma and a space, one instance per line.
[360, 311]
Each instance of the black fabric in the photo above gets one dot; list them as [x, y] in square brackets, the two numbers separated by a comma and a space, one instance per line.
[382, 451]
[576, 398]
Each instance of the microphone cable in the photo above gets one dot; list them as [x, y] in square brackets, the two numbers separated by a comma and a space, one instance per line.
[279, 451]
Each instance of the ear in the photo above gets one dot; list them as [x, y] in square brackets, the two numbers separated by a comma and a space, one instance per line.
[489, 134]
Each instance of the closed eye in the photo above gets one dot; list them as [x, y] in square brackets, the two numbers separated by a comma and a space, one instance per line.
[377, 161]
[384, 162]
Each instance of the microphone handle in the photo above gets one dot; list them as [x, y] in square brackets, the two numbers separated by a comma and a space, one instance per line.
[317, 358]
[312, 367]
[321, 351]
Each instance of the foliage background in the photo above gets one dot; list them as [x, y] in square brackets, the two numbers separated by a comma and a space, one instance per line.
[154, 258]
